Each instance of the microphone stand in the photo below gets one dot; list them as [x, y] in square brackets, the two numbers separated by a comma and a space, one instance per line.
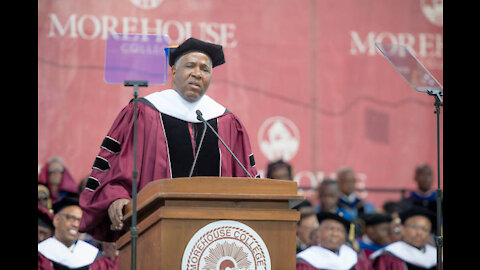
[198, 150]
[200, 117]
[438, 237]
[133, 227]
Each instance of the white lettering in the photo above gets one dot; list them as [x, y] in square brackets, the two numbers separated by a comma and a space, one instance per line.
[423, 44]
[90, 27]
[96, 27]
[108, 28]
[56, 25]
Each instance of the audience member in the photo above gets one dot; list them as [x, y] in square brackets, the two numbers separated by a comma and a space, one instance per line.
[348, 199]
[279, 170]
[58, 179]
[44, 196]
[329, 194]
[424, 196]
[329, 249]
[307, 223]
[45, 223]
[413, 251]
[377, 233]
[393, 209]
[64, 250]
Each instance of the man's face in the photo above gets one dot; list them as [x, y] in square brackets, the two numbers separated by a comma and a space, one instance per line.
[66, 224]
[43, 233]
[55, 173]
[416, 231]
[328, 195]
[424, 180]
[281, 172]
[346, 182]
[379, 233]
[305, 227]
[191, 76]
[331, 234]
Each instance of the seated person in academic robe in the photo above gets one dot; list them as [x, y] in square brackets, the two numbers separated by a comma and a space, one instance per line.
[424, 196]
[348, 200]
[377, 233]
[329, 193]
[330, 250]
[307, 223]
[168, 139]
[413, 251]
[64, 250]
[55, 175]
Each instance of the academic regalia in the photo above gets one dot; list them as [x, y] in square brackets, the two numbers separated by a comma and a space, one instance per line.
[401, 256]
[68, 186]
[317, 257]
[339, 211]
[167, 131]
[366, 245]
[354, 205]
[52, 254]
[424, 199]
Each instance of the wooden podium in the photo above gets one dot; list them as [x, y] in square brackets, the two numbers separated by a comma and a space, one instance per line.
[171, 211]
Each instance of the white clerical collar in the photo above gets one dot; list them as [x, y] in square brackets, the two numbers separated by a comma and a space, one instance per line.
[425, 258]
[171, 103]
[81, 255]
[323, 258]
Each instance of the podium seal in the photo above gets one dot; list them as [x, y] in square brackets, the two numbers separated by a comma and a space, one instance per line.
[224, 245]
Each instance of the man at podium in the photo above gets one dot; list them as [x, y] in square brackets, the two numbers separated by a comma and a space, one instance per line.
[169, 137]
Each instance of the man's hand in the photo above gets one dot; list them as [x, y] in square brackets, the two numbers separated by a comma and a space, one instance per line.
[115, 213]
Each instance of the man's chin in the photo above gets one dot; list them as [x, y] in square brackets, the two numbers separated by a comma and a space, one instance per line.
[192, 98]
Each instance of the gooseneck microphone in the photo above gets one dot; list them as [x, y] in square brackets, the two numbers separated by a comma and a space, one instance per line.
[199, 147]
[200, 117]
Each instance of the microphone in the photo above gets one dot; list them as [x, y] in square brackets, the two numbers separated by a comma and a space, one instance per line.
[199, 147]
[200, 117]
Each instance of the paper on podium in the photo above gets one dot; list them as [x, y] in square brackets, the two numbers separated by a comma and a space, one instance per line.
[409, 67]
[136, 57]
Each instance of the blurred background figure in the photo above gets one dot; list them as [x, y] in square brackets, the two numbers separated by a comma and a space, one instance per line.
[328, 195]
[377, 233]
[413, 251]
[44, 197]
[279, 170]
[58, 179]
[307, 223]
[45, 223]
[329, 249]
[424, 196]
[348, 199]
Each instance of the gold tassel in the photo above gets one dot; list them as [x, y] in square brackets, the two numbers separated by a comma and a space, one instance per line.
[351, 237]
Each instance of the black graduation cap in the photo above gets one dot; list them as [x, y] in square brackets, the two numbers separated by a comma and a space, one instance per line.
[214, 51]
[64, 202]
[376, 218]
[419, 211]
[328, 215]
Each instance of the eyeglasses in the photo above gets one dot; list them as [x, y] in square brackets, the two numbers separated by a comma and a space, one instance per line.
[415, 226]
[55, 170]
[70, 218]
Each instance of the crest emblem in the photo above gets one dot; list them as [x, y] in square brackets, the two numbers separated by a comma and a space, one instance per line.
[433, 11]
[226, 245]
[278, 138]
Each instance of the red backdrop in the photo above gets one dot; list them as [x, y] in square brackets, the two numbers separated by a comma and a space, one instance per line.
[303, 76]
